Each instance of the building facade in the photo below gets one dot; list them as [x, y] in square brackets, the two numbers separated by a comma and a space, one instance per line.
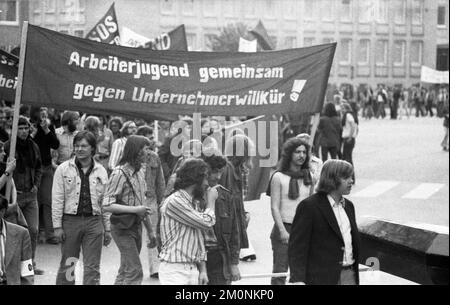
[379, 41]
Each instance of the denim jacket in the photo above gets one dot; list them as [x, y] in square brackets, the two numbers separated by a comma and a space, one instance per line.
[66, 191]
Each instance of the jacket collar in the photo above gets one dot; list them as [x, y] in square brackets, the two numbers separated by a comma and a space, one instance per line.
[327, 211]
[96, 165]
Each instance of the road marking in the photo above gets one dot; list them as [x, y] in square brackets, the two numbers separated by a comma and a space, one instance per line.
[423, 191]
[376, 189]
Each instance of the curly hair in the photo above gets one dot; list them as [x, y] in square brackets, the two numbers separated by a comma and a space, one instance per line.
[330, 110]
[215, 160]
[192, 172]
[288, 149]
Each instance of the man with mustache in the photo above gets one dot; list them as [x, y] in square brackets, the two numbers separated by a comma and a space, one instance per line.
[290, 184]
[324, 240]
[183, 252]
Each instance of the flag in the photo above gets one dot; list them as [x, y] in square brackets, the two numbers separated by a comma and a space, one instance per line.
[173, 40]
[132, 39]
[68, 72]
[263, 38]
[107, 29]
[8, 75]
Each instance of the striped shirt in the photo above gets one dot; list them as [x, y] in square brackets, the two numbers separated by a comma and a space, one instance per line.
[182, 228]
[119, 190]
[116, 152]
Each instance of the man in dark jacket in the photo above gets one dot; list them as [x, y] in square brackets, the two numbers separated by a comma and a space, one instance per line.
[324, 239]
[222, 241]
[46, 139]
[27, 177]
[16, 266]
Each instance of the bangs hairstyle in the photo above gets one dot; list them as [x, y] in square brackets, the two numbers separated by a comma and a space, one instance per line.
[332, 171]
[132, 148]
[288, 149]
[89, 137]
[192, 172]
[124, 130]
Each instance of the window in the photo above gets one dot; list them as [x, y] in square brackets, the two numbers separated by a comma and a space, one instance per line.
[269, 9]
[290, 42]
[382, 11]
[441, 16]
[228, 8]
[209, 7]
[346, 52]
[400, 11]
[364, 52]
[78, 33]
[327, 40]
[188, 7]
[191, 41]
[381, 57]
[64, 32]
[399, 53]
[365, 11]
[289, 11]
[346, 10]
[416, 53]
[167, 6]
[327, 10]
[50, 6]
[308, 41]
[417, 17]
[9, 12]
[249, 9]
[309, 9]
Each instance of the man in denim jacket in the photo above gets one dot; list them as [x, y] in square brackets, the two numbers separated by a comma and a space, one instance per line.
[78, 219]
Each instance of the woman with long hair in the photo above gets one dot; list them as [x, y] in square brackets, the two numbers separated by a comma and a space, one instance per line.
[125, 199]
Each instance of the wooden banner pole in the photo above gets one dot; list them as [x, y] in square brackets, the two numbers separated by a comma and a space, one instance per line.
[18, 99]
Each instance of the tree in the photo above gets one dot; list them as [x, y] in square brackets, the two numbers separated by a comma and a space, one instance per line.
[228, 39]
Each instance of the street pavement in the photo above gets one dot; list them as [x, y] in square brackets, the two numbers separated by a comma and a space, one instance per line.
[402, 174]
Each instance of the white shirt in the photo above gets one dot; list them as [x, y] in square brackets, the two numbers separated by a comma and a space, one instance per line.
[350, 129]
[345, 228]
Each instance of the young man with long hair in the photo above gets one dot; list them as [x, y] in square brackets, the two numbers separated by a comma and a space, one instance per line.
[125, 199]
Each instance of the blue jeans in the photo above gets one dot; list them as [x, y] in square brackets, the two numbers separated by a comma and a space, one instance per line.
[27, 202]
[44, 197]
[280, 255]
[86, 233]
[129, 243]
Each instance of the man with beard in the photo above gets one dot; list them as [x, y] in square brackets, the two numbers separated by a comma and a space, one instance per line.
[324, 240]
[290, 184]
[65, 135]
[183, 252]
[27, 177]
